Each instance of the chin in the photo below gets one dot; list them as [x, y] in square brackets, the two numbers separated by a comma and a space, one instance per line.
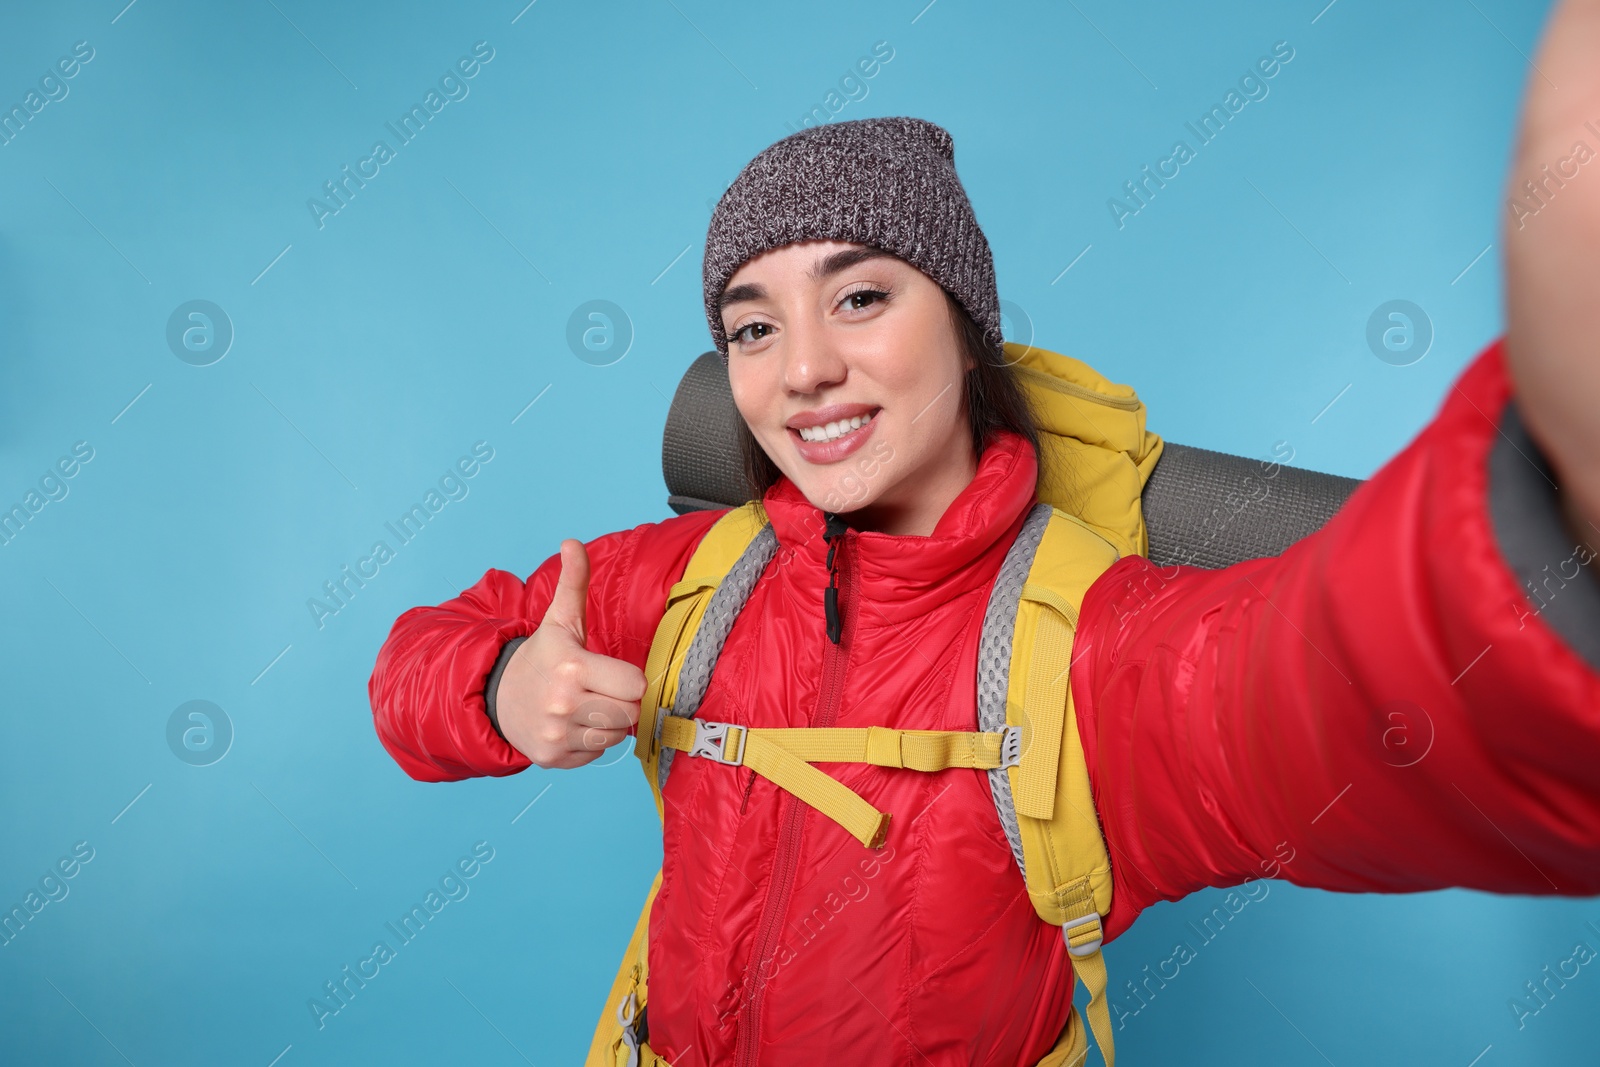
[847, 495]
[846, 485]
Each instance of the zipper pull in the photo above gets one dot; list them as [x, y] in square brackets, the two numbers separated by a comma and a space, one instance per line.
[833, 533]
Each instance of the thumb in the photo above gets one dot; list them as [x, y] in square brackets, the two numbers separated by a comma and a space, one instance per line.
[567, 606]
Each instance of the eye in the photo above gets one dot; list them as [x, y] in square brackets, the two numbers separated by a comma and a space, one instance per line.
[860, 299]
[737, 336]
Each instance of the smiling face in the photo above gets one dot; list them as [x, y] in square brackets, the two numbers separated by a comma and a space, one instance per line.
[847, 367]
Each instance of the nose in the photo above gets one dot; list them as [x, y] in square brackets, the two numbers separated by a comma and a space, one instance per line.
[812, 362]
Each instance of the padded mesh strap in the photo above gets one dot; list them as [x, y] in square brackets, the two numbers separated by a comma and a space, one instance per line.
[994, 659]
[706, 646]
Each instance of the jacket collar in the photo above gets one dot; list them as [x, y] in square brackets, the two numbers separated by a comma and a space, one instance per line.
[901, 576]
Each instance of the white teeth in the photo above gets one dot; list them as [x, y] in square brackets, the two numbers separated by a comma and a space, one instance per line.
[835, 429]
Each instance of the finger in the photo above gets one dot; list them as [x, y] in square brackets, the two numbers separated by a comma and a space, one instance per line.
[580, 759]
[595, 672]
[611, 677]
[594, 739]
[569, 603]
[604, 713]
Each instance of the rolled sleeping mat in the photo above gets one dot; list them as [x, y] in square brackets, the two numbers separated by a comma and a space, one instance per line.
[1201, 508]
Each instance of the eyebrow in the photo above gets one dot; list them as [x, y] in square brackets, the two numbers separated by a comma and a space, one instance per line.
[823, 268]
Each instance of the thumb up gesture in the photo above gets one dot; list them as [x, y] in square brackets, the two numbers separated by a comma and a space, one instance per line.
[558, 703]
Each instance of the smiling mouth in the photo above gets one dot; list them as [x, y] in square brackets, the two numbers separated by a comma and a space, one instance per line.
[833, 431]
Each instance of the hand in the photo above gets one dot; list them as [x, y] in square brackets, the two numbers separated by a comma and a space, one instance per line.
[1552, 258]
[558, 703]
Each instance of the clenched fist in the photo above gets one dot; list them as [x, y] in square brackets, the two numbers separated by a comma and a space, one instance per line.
[558, 703]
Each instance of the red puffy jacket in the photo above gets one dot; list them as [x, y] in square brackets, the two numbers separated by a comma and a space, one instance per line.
[1238, 723]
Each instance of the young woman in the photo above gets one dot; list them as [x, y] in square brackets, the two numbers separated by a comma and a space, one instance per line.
[1233, 720]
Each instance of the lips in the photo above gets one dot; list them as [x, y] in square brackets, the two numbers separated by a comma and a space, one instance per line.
[831, 451]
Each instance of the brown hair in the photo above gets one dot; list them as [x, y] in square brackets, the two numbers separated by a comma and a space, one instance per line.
[995, 400]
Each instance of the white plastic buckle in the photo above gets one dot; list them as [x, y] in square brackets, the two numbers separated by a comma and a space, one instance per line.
[1010, 746]
[1088, 948]
[711, 742]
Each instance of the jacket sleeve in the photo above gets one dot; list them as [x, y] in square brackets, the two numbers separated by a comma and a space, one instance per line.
[427, 687]
[1387, 706]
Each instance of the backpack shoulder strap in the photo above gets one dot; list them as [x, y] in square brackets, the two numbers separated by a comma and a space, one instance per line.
[1023, 680]
[737, 543]
[1044, 799]
[698, 615]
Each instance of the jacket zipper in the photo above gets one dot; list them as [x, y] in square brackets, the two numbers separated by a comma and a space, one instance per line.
[835, 657]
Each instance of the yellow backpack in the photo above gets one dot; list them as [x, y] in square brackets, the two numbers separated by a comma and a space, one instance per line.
[1096, 457]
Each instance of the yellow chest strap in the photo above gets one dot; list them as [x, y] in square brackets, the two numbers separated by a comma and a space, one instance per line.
[784, 756]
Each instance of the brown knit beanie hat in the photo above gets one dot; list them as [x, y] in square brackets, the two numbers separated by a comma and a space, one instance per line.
[888, 182]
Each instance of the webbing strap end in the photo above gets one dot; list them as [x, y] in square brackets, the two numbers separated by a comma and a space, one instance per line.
[882, 834]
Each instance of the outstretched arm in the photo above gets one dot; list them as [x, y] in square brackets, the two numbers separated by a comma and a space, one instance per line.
[1409, 698]
[1386, 706]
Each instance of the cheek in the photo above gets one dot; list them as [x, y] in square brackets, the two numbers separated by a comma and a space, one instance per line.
[936, 407]
[759, 403]
[903, 449]
[750, 397]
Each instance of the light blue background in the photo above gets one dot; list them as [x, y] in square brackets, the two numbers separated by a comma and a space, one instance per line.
[431, 310]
